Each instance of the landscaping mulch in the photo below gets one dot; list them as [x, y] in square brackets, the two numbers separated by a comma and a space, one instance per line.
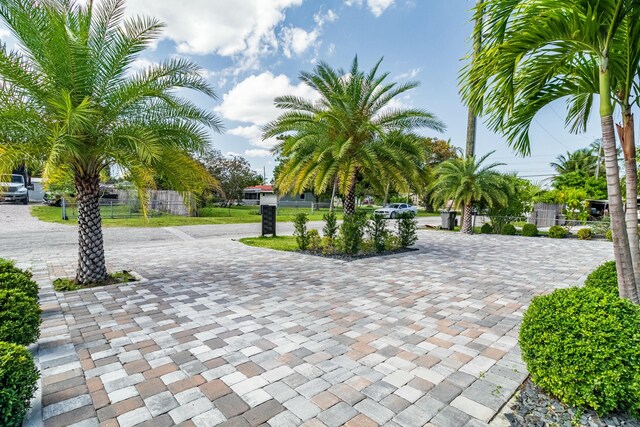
[535, 408]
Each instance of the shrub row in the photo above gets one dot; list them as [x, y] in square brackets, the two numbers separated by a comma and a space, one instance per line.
[529, 230]
[19, 327]
[583, 345]
[356, 235]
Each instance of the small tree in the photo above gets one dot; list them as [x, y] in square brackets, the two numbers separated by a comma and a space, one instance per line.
[300, 231]
[377, 228]
[407, 227]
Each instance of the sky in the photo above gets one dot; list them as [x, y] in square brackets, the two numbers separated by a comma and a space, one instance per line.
[253, 50]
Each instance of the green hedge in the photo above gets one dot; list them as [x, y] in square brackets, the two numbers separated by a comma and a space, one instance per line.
[18, 378]
[583, 346]
[19, 317]
[584, 234]
[529, 230]
[8, 266]
[486, 228]
[19, 282]
[558, 232]
[508, 230]
[604, 277]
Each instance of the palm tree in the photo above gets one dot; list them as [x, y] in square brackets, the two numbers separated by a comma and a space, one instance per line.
[538, 51]
[582, 160]
[352, 131]
[467, 182]
[71, 97]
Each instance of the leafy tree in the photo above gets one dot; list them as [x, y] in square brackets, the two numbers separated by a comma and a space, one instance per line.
[594, 188]
[71, 97]
[537, 51]
[436, 151]
[583, 160]
[350, 132]
[233, 172]
[520, 195]
[468, 181]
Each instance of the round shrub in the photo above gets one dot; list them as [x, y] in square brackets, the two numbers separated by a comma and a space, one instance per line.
[19, 317]
[508, 230]
[20, 282]
[486, 228]
[583, 346]
[314, 241]
[609, 235]
[18, 377]
[529, 230]
[585, 234]
[8, 266]
[604, 277]
[558, 232]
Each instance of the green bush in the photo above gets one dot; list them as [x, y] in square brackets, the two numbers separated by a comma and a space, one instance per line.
[392, 242]
[407, 229]
[330, 228]
[300, 230]
[377, 229]
[585, 234]
[529, 230]
[20, 282]
[508, 230]
[558, 232]
[8, 266]
[314, 241]
[609, 235]
[486, 228]
[583, 346]
[604, 277]
[18, 378]
[19, 317]
[352, 232]
[328, 246]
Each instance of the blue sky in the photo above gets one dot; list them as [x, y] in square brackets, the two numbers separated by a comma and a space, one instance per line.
[253, 50]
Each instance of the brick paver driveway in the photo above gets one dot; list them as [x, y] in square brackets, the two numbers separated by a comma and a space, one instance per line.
[224, 334]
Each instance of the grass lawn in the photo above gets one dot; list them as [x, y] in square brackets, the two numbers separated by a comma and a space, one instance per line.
[281, 243]
[215, 215]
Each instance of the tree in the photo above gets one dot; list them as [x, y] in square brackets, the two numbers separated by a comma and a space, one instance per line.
[74, 100]
[352, 131]
[582, 160]
[594, 188]
[520, 194]
[538, 51]
[436, 152]
[467, 181]
[233, 172]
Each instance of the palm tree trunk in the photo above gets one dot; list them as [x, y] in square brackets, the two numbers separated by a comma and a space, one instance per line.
[350, 197]
[626, 132]
[333, 194]
[91, 263]
[467, 227]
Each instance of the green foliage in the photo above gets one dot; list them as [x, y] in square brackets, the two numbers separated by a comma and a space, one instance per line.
[300, 231]
[314, 241]
[558, 232]
[609, 235]
[19, 317]
[486, 228]
[352, 232]
[529, 230]
[520, 197]
[18, 378]
[508, 230]
[407, 229]
[8, 266]
[602, 226]
[378, 232]
[593, 188]
[330, 228]
[392, 243]
[604, 277]
[19, 282]
[584, 234]
[65, 284]
[328, 246]
[583, 346]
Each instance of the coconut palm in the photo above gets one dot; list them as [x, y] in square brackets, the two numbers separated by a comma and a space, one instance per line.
[469, 182]
[538, 51]
[71, 97]
[582, 160]
[352, 131]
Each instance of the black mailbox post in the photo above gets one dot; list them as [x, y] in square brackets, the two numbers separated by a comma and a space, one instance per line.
[268, 220]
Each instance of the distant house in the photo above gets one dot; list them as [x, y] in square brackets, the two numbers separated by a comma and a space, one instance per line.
[253, 194]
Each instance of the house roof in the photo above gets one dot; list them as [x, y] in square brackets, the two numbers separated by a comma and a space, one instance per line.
[261, 188]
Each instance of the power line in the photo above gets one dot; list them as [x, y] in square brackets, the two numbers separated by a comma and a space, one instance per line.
[550, 134]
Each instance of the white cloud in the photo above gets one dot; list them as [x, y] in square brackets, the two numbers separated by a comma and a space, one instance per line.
[226, 27]
[253, 134]
[377, 7]
[411, 74]
[255, 152]
[296, 40]
[251, 101]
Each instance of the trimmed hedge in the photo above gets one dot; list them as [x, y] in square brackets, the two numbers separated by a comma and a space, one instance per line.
[18, 378]
[604, 277]
[19, 317]
[20, 282]
[486, 228]
[558, 232]
[529, 230]
[609, 235]
[583, 346]
[8, 266]
[585, 234]
[508, 230]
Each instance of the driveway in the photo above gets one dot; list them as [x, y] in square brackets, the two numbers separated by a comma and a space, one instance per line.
[220, 333]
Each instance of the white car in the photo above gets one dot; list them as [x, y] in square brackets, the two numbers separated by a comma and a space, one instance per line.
[395, 209]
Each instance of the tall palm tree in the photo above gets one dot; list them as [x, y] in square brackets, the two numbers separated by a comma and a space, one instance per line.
[71, 96]
[582, 160]
[538, 51]
[352, 131]
[468, 181]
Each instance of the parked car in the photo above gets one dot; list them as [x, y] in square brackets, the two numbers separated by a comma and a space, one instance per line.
[13, 189]
[394, 209]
